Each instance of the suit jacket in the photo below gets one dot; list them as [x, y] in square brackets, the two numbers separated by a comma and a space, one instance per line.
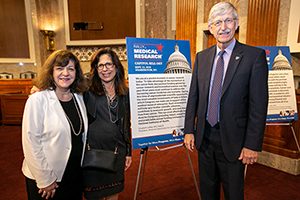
[243, 103]
[46, 137]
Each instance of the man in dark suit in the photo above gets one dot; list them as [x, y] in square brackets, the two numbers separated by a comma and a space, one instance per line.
[227, 107]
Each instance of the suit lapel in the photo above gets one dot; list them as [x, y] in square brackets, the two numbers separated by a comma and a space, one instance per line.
[208, 65]
[234, 61]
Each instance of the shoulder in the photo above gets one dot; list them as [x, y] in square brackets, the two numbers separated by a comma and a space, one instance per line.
[78, 96]
[88, 95]
[206, 54]
[249, 49]
[39, 100]
[40, 95]
[207, 51]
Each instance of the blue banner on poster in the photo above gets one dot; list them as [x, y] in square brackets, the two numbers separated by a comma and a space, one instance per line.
[282, 105]
[159, 74]
[148, 56]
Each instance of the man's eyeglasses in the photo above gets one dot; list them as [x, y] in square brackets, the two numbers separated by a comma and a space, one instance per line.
[227, 21]
[108, 65]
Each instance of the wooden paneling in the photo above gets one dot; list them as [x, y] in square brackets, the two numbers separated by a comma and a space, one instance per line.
[116, 16]
[13, 35]
[13, 95]
[279, 138]
[15, 86]
[262, 22]
[186, 23]
[12, 107]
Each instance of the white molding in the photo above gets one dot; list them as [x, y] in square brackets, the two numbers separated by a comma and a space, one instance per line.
[173, 18]
[293, 27]
[31, 58]
[99, 42]
[138, 18]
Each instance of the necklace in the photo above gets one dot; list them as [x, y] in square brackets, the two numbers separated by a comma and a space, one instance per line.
[112, 105]
[80, 119]
[111, 99]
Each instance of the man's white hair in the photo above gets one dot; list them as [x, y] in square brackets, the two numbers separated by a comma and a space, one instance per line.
[221, 9]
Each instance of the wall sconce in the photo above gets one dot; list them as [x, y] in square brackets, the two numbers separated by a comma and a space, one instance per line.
[49, 39]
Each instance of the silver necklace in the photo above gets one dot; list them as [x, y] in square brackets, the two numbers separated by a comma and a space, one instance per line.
[112, 105]
[80, 119]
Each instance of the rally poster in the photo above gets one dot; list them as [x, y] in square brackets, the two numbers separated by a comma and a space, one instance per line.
[159, 75]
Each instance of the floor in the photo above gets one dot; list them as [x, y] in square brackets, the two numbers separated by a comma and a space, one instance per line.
[167, 175]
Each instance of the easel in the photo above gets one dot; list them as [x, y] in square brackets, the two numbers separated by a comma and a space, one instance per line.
[142, 165]
[293, 131]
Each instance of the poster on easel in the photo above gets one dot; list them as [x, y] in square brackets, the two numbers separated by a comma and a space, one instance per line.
[282, 105]
[159, 75]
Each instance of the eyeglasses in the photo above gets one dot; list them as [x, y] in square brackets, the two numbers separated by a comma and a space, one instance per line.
[108, 65]
[227, 21]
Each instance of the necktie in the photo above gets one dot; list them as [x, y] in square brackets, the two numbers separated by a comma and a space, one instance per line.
[215, 94]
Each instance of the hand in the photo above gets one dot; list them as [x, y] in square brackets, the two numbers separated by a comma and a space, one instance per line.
[128, 162]
[34, 89]
[248, 156]
[48, 191]
[189, 141]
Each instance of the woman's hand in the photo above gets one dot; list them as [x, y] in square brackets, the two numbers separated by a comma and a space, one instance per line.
[128, 162]
[48, 191]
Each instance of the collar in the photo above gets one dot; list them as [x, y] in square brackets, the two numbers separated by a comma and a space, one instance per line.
[228, 49]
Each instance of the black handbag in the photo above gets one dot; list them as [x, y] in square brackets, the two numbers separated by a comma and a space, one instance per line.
[99, 158]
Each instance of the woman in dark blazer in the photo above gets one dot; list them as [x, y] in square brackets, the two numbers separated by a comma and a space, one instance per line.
[107, 103]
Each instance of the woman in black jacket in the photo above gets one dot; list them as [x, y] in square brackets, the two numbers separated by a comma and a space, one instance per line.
[109, 124]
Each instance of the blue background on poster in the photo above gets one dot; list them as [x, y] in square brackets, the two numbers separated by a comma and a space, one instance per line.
[159, 49]
[272, 52]
[143, 142]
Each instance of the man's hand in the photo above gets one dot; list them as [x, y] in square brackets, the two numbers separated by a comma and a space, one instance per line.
[189, 141]
[248, 156]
